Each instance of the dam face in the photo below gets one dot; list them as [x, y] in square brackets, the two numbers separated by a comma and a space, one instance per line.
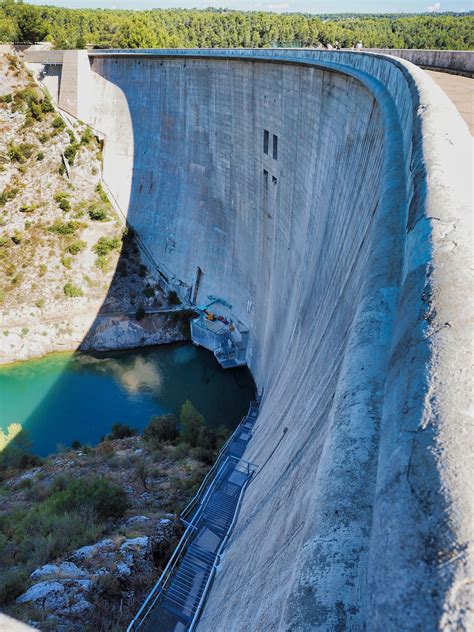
[317, 195]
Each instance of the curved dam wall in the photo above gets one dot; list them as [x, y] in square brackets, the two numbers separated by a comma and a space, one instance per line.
[346, 254]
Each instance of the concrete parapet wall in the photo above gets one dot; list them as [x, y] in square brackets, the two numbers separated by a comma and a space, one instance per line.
[453, 61]
[33, 56]
[347, 256]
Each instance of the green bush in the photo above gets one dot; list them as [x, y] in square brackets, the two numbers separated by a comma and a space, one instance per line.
[64, 228]
[161, 428]
[63, 201]
[40, 156]
[72, 291]
[101, 496]
[106, 245]
[173, 298]
[101, 262]
[98, 214]
[58, 123]
[121, 431]
[43, 138]
[20, 153]
[192, 422]
[8, 194]
[149, 292]
[47, 105]
[13, 582]
[140, 313]
[6, 98]
[70, 153]
[204, 455]
[76, 247]
[87, 136]
[17, 237]
[36, 111]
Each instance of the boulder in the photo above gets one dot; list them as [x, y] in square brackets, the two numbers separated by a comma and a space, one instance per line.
[63, 597]
[65, 569]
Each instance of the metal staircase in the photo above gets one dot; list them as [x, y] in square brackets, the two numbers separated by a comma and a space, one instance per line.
[176, 600]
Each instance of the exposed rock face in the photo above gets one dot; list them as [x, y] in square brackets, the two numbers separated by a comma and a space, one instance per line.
[62, 597]
[65, 591]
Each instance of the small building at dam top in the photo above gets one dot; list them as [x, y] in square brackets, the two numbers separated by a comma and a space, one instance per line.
[325, 196]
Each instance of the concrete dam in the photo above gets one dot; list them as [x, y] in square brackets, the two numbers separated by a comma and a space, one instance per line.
[326, 196]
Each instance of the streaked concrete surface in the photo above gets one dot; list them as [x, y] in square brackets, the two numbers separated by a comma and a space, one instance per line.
[351, 263]
[461, 92]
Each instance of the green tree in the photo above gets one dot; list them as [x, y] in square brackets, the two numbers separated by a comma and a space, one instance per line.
[191, 423]
[31, 26]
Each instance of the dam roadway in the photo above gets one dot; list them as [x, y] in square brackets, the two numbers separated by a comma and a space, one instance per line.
[326, 196]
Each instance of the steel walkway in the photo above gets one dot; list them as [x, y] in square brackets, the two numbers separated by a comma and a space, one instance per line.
[176, 600]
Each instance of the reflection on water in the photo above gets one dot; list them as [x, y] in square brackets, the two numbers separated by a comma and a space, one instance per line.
[64, 397]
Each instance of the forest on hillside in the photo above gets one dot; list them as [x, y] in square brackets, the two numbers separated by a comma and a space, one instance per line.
[211, 28]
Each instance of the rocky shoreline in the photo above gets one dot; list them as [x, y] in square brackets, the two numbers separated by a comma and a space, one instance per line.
[91, 333]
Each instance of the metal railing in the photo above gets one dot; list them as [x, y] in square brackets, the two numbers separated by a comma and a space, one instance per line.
[167, 575]
[209, 476]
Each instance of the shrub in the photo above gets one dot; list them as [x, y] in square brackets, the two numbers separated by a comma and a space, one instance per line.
[207, 438]
[142, 272]
[40, 303]
[75, 445]
[149, 292]
[63, 201]
[19, 153]
[40, 156]
[121, 431]
[98, 214]
[70, 153]
[43, 138]
[58, 123]
[47, 105]
[106, 245]
[76, 247]
[191, 423]
[72, 291]
[64, 228]
[8, 193]
[204, 455]
[67, 262]
[101, 262]
[6, 98]
[36, 111]
[161, 428]
[87, 136]
[101, 496]
[17, 237]
[102, 194]
[27, 208]
[140, 313]
[173, 298]
[13, 583]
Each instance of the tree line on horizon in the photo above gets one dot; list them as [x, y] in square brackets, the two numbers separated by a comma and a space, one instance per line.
[183, 28]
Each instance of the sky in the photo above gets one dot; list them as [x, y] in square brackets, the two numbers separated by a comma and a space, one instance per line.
[280, 6]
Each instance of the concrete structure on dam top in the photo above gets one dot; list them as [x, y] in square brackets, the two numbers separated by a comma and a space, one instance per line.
[327, 197]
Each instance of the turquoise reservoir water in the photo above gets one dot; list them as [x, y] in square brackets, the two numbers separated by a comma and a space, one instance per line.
[64, 397]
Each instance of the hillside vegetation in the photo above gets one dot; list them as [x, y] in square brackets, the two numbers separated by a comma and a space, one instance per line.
[85, 533]
[173, 28]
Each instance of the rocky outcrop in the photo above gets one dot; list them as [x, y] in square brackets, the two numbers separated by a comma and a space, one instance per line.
[113, 568]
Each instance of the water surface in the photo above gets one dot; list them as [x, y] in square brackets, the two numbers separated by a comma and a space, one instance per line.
[64, 397]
